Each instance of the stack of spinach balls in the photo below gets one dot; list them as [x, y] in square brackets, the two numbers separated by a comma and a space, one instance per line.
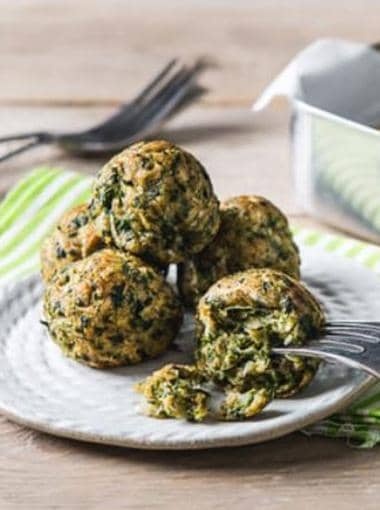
[107, 302]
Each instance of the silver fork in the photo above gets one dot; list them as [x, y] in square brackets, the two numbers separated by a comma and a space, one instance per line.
[355, 343]
[172, 89]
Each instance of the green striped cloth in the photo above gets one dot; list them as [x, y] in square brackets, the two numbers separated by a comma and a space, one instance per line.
[29, 212]
[31, 209]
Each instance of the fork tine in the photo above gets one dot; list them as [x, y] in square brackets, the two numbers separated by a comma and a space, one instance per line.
[364, 326]
[354, 324]
[334, 352]
[363, 343]
[355, 343]
[356, 335]
[353, 321]
[167, 99]
[364, 332]
[158, 106]
[128, 111]
[325, 344]
[128, 122]
[375, 327]
[156, 80]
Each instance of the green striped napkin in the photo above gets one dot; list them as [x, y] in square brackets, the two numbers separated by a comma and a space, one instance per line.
[29, 212]
[32, 208]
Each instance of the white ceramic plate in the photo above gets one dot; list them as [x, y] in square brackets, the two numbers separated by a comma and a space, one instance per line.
[40, 388]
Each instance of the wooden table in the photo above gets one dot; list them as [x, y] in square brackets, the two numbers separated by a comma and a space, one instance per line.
[67, 64]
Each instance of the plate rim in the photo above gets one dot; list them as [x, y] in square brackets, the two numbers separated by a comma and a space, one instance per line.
[199, 444]
[308, 418]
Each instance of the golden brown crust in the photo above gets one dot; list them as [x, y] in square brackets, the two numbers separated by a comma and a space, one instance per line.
[253, 234]
[73, 238]
[238, 320]
[174, 391]
[111, 309]
[155, 200]
[242, 405]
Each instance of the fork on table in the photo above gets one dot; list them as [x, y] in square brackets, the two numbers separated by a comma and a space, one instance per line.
[354, 343]
[174, 87]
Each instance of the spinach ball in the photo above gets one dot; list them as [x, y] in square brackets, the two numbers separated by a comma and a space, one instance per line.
[175, 391]
[73, 238]
[156, 201]
[241, 317]
[253, 233]
[111, 309]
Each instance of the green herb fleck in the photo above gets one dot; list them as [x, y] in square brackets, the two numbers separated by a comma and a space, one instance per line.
[117, 295]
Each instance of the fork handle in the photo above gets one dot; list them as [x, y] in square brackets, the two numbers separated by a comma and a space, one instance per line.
[31, 140]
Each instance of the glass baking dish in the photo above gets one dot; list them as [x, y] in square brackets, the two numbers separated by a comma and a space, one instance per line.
[336, 165]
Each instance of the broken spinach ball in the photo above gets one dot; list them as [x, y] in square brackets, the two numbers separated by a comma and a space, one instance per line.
[73, 238]
[253, 233]
[175, 391]
[238, 321]
[156, 201]
[179, 391]
[241, 405]
[111, 309]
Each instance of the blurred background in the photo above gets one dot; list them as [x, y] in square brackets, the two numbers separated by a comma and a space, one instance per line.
[68, 64]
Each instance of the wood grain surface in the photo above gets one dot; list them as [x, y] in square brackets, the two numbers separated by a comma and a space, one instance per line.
[66, 64]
